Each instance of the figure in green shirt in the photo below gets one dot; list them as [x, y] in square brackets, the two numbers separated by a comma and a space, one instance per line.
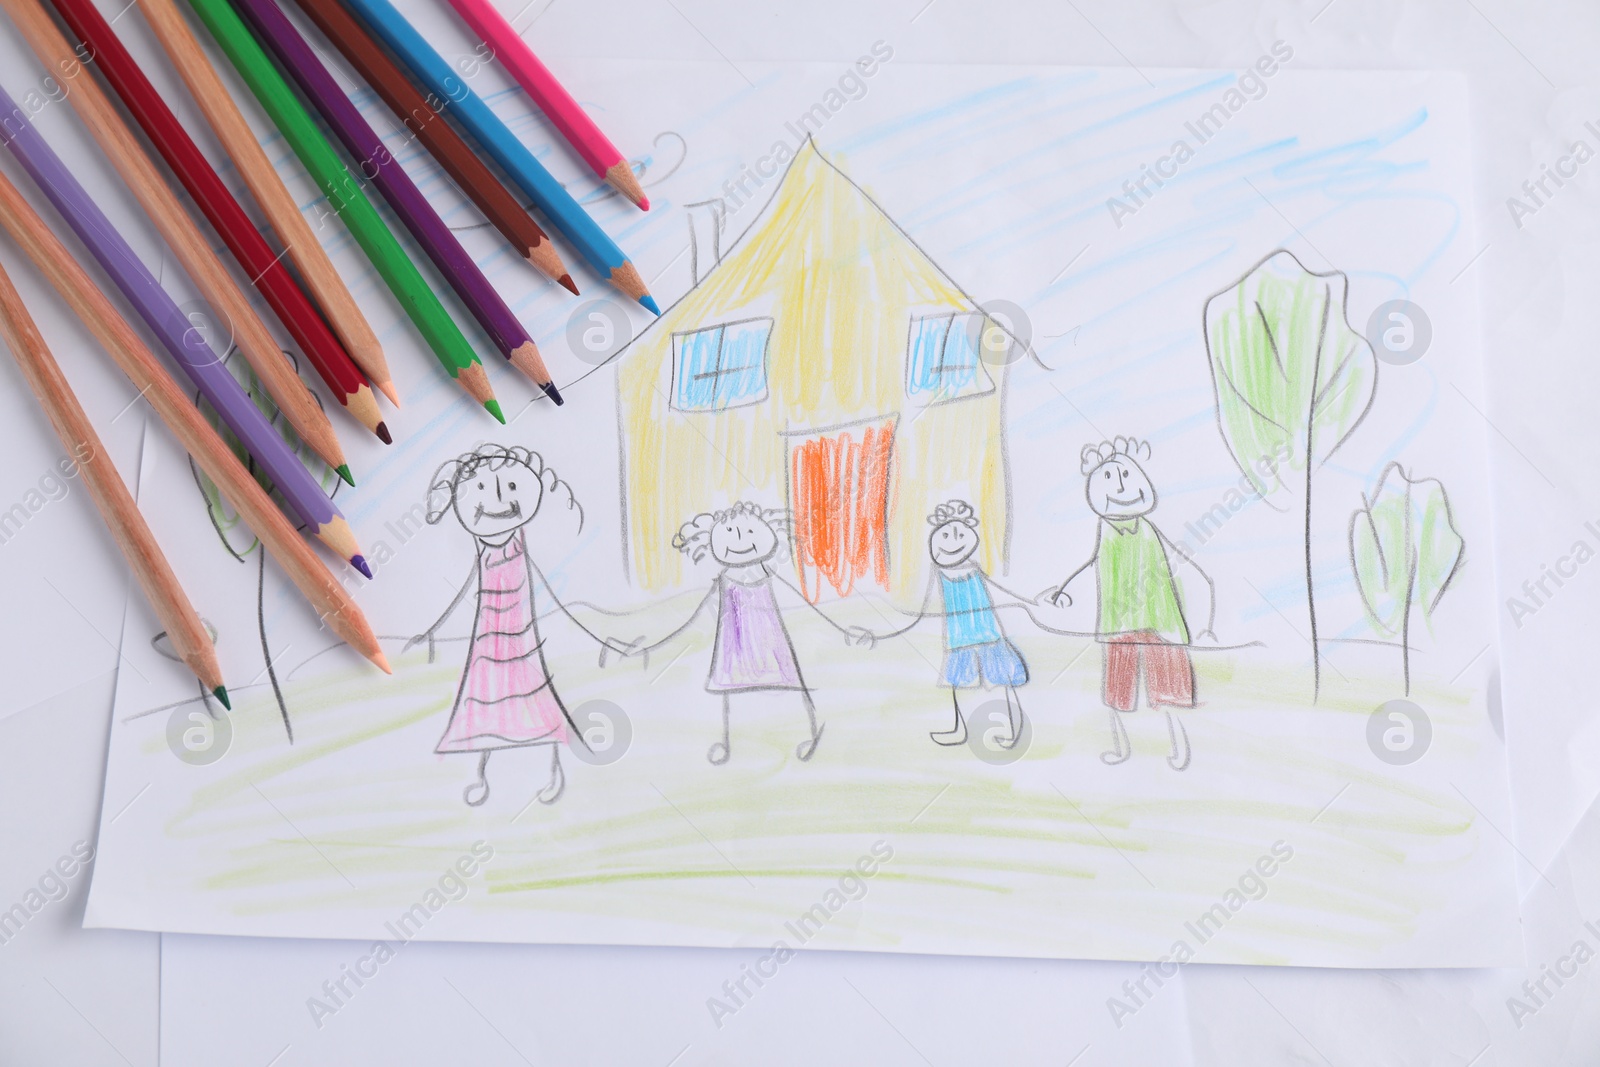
[1141, 620]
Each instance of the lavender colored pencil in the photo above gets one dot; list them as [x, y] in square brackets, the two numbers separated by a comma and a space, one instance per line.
[167, 322]
[376, 161]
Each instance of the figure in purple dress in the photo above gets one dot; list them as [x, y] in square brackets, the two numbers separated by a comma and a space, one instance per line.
[752, 651]
[507, 697]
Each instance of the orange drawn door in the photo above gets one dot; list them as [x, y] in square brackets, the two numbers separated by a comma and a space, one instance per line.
[839, 494]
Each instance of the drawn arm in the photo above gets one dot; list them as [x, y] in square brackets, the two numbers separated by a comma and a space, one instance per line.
[1187, 562]
[645, 650]
[916, 617]
[428, 634]
[604, 642]
[1056, 594]
[855, 635]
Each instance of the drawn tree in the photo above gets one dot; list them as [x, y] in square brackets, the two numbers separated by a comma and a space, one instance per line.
[1292, 382]
[1405, 550]
[235, 536]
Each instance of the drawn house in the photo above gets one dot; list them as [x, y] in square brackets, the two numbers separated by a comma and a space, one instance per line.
[826, 365]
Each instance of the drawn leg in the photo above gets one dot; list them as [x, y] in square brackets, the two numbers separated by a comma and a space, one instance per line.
[1014, 714]
[719, 752]
[957, 735]
[806, 749]
[1121, 749]
[1179, 759]
[558, 778]
[476, 793]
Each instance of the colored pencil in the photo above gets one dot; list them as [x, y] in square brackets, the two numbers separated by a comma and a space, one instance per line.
[377, 162]
[220, 208]
[51, 258]
[162, 315]
[193, 251]
[111, 497]
[258, 173]
[513, 156]
[439, 137]
[349, 203]
[603, 157]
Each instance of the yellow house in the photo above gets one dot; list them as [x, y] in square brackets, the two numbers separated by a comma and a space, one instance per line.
[827, 366]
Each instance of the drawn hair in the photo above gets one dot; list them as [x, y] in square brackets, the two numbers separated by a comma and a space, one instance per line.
[954, 511]
[451, 473]
[693, 538]
[1129, 448]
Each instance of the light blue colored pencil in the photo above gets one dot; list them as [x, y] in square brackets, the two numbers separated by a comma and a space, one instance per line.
[430, 69]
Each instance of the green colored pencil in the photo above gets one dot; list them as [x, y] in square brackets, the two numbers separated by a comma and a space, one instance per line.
[347, 200]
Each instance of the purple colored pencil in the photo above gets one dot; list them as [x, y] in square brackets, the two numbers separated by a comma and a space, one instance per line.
[167, 322]
[378, 163]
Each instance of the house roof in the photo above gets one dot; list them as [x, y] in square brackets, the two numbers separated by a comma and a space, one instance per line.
[852, 251]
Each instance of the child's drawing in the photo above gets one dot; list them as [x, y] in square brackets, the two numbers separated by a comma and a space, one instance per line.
[1141, 618]
[236, 537]
[507, 698]
[752, 651]
[977, 652]
[1292, 378]
[773, 375]
[1404, 550]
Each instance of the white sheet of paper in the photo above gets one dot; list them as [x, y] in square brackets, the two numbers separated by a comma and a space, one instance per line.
[1296, 834]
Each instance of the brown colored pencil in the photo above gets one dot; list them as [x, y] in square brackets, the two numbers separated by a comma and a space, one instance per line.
[259, 175]
[181, 233]
[326, 596]
[111, 497]
[446, 145]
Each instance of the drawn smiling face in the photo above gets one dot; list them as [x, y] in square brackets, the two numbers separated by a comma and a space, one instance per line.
[742, 539]
[952, 544]
[1119, 489]
[491, 504]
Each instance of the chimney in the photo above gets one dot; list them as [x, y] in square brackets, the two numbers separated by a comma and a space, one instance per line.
[706, 221]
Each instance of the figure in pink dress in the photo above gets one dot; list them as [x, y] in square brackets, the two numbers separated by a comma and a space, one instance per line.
[752, 651]
[507, 698]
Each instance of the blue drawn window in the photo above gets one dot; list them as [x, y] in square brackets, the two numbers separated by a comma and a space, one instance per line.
[721, 366]
[942, 361]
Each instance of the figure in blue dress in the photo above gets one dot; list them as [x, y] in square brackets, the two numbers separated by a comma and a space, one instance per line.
[977, 653]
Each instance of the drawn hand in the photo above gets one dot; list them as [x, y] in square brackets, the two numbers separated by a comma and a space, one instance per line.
[860, 637]
[414, 642]
[623, 648]
[1056, 596]
[1206, 637]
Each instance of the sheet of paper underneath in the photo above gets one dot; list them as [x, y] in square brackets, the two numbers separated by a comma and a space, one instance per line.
[1296, 835]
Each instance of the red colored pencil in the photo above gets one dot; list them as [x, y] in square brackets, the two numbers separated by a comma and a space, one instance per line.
[218, 205]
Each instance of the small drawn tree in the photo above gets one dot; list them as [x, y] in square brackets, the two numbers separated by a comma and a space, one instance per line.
[1405, 550]
[236, 537]
[1292, 381]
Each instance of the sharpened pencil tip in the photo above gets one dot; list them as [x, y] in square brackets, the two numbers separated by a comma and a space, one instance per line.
[568, 284]
[343, 471]
[553, 393]
[650, 304]
[222, 697]
[644, 203]
[382, 662]
[382, 430]
[388, 390]
[493, 407]
[359, 562]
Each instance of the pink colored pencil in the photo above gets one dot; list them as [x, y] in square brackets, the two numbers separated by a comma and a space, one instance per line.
[553, 99]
